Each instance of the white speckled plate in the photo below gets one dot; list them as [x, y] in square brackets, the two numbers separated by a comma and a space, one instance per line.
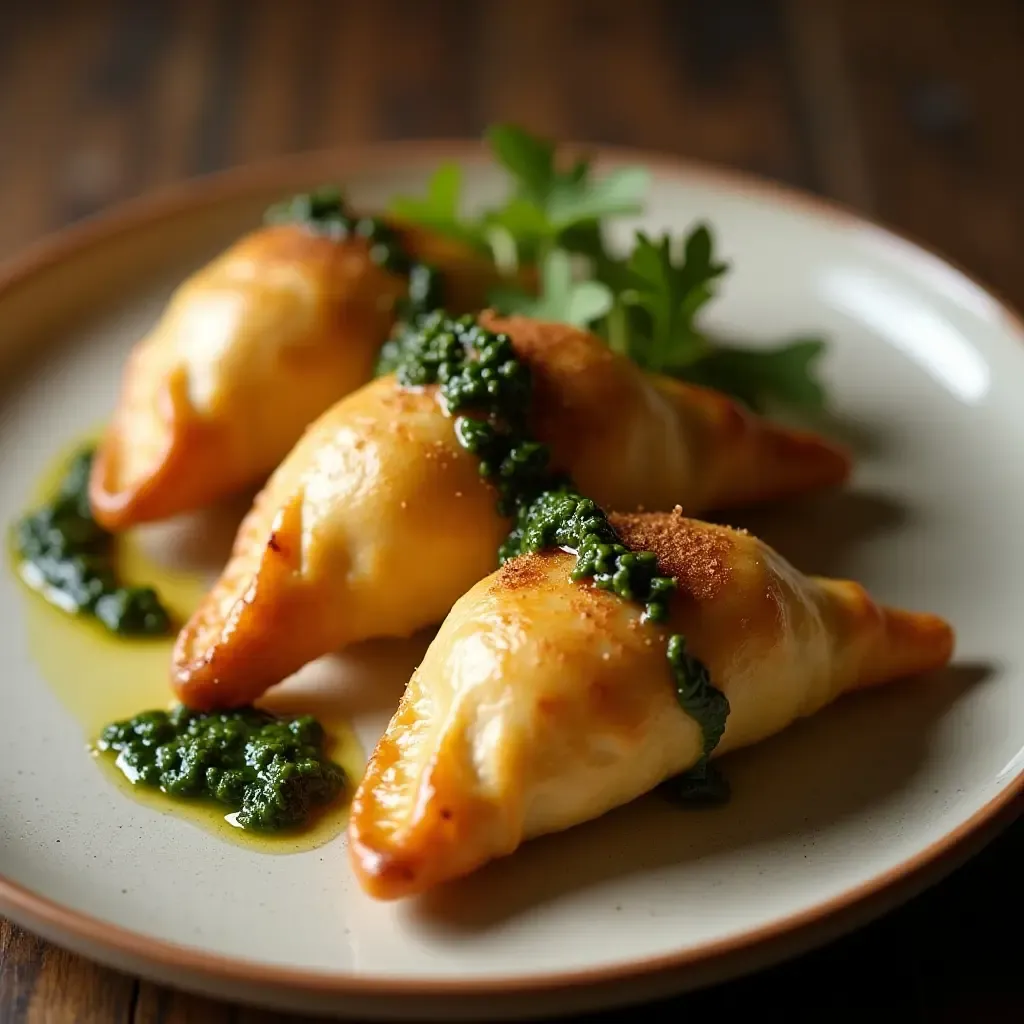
[830, 823]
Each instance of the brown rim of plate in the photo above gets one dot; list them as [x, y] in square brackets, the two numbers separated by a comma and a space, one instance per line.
[304, 170]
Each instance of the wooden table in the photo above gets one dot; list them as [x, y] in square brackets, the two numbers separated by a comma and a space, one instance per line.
[909, 110]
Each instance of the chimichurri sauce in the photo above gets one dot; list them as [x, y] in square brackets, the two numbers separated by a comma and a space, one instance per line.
[271, 771]
[477, 372]
[703, 785]
[67, 556]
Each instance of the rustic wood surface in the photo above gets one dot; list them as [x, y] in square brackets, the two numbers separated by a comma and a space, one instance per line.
[909, 110]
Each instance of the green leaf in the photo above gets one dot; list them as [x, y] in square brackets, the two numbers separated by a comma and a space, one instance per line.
[662, 298]
[545, 205]
[654, 321]
[516, 232]
[511, 301]
[521, 217]
[574, 200]
[559, 202]
[528, 158]
[646, 305]
[586, 239]
[556, 281]
[439, 208]
[784, 375]
[562, 299]
[586, 302]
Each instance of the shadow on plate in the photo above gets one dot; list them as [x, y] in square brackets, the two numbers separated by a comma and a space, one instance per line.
[863, 439]
[368, 679]
[860, 752]
[820, 533]
[199, 542]
[365, 679]
[816, 533]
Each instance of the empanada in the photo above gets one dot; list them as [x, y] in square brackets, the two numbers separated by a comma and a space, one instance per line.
[249, 351]
[379, 520]
[542, 703]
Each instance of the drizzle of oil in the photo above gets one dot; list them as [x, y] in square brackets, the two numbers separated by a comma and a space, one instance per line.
[100, 678]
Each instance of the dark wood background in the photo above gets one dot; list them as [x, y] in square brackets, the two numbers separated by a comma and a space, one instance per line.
[909, 110]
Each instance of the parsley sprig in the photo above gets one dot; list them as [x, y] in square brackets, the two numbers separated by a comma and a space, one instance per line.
[644, 303]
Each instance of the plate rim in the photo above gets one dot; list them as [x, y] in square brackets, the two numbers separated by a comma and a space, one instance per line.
[194, 194]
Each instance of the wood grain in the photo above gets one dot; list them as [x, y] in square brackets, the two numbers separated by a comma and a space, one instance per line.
[831, 131]
[101, 102]
[40, 984]
[158, 1005]
[937, 87]
[906, 109]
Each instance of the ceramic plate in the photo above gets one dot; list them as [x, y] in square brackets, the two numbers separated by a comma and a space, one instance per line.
[830, 822]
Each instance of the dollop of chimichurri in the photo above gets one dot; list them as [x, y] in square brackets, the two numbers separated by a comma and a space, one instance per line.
[564, 519]
[272, 771]
[477, 372]
[68, 557]
[324, 211]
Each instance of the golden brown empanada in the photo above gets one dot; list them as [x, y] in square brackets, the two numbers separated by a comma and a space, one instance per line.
[378, 520]
[542, 703]
[249, 351]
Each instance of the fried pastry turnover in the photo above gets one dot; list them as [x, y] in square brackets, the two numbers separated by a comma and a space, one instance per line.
[379, 519]
[249, 351]
[542, 703]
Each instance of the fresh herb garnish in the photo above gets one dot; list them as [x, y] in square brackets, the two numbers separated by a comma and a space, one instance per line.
[547, 208]
[562, 298]
[554, 208]
[654, 322]
[658, 299]
[644, 304]
[439, 208]
[69, 558]
[765, 377]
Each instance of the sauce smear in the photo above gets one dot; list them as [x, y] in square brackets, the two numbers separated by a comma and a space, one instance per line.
[100, 677]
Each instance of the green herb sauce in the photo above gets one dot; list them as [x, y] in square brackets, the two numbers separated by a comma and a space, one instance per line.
[477, 372]
[565, 519]
[324, 211]
[703, 785]
[68, 557]
[272, 771]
